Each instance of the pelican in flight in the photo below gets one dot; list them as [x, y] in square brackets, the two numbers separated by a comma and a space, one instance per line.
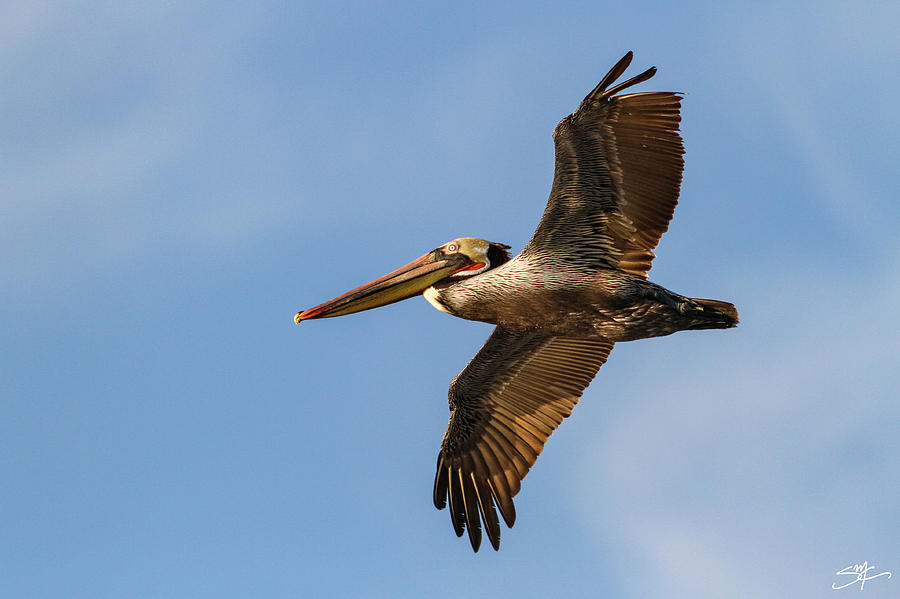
[579, 286]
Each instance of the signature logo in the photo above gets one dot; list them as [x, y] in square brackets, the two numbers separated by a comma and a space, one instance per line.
[861, 574]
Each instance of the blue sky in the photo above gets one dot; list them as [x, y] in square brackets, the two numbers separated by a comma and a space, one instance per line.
[176, 181]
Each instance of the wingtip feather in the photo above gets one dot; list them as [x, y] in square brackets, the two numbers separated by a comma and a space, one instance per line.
[440, 484]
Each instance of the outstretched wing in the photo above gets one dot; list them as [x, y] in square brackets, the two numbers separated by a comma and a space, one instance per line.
[619, 161]
[503, 406]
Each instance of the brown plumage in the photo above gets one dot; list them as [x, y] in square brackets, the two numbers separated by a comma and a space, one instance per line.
[505, 404]
[579, 286]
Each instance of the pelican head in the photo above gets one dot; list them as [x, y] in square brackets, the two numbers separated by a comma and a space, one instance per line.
[463, 257]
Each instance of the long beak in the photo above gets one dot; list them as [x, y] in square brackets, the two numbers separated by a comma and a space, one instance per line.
[403, 283]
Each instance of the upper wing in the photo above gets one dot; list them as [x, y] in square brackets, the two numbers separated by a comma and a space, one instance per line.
[618, 173]
[503, 406]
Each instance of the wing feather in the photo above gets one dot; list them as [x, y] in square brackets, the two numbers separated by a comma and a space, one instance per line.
[471, 504]
[619, 161]
[504, 406]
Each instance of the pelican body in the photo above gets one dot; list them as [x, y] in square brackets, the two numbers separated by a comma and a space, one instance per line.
[579, 286]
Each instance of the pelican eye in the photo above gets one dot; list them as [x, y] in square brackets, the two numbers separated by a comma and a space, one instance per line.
[452, 247]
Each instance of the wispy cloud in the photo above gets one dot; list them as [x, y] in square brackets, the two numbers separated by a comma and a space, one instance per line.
[827, 93]
[814, 382]
[98, 124]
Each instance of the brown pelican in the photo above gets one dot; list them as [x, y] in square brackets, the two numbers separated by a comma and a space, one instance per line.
[579, 286]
